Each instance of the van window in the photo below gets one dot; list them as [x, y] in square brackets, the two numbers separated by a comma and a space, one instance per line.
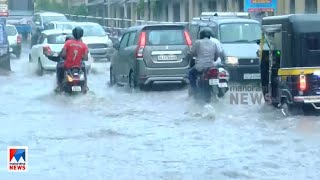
[239, 32]
[51, 26]
[165, 37]
[3, 35]
[194, 30]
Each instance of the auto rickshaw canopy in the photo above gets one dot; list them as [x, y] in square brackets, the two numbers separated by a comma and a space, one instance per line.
[296, 37]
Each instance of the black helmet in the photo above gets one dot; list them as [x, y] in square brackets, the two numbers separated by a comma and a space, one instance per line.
[69, 37]
[77, 33]
[206, 33]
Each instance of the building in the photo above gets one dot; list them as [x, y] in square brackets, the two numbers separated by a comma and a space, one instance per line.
[179, 10]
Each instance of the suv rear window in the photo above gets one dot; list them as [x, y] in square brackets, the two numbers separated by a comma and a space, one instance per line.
[165, 37]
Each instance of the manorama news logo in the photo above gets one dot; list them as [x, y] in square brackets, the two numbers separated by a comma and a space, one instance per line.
[247, 95]
[17, 158]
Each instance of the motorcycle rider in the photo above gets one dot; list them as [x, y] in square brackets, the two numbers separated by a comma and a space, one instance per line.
[60, 62]
[206, 54]
[74, 51]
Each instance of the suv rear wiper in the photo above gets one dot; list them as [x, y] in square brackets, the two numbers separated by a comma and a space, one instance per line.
[240, 41]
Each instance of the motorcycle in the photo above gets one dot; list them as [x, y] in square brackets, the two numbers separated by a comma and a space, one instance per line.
[213, 82]
[74, 80]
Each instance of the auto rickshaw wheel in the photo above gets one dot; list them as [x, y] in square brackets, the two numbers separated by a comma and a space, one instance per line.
[291, 109]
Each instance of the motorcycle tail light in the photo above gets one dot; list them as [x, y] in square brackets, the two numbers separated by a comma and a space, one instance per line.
[212, 73]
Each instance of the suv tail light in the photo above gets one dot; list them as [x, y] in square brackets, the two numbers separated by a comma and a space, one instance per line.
[141, 45]
[188, 39]
[212, 73]
[19, 39]
[302, 83]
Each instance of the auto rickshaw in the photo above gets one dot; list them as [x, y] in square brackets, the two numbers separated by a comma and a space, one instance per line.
[290, 62]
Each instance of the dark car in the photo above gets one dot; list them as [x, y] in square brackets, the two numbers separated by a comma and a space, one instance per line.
[4, 49]
[150, 54]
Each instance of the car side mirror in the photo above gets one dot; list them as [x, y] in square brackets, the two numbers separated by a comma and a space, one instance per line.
[116, 45]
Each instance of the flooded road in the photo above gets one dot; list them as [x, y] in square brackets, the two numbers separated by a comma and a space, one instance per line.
[113, 133]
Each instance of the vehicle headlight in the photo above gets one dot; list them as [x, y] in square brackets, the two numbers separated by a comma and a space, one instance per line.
[232, 60]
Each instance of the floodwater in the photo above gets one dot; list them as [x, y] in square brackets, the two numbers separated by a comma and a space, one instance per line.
[114, 133]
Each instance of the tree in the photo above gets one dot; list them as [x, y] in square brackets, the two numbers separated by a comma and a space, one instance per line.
[48, 5]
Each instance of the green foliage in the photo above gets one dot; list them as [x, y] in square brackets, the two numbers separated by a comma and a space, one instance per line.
[140, 8]
[48, 5]
[80, 10]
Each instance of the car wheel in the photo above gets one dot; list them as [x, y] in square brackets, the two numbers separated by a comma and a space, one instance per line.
[7, 64]
[112, 77]
[30, 60]
[40, 70]
[290, 110]
[18, 55]
[132, 81]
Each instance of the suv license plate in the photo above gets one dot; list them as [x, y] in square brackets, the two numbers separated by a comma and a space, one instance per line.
[213, 81]
[251, 76]
[76, 88]
[167, 58]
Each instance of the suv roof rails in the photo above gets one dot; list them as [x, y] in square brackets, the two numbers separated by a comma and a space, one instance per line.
[226, 14]
[214, 15]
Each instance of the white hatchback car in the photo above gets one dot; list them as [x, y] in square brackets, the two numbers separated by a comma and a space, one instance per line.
[98, 41]
[55, 39]
[14, 40]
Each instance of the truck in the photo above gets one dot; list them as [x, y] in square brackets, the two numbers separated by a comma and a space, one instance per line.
[19, 14]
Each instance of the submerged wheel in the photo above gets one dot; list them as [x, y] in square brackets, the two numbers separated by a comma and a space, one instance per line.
[7, 64]
[112, 78]
[40, 70]
[291, 109]
[132, 82]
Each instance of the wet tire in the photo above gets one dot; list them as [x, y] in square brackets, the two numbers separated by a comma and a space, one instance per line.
[6, 65]
[132, 82]
[112, 78]
[205, 91]
[291, 109]
[40, 70]
[18, 54]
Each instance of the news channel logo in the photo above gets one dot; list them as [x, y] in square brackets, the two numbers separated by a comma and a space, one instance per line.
[248, 95]
[17, 158]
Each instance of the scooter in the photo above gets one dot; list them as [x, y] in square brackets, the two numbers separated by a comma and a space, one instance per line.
[213, 82]
[74, 80]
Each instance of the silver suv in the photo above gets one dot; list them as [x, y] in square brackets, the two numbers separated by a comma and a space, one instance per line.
[151, 53]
